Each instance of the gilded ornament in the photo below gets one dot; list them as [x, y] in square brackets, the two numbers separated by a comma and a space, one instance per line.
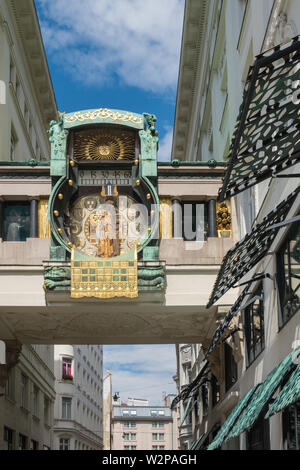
[60, 196]
[70, 182]
[72, 163]
[56, 213]
[59, 231]
[138, 182]
[148, 196]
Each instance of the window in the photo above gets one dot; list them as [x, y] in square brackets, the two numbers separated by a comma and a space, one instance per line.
[35, 407]
[8, 439]
[23, 391]
[288, 261]
[64, 444]
[126, 436]
[215, 390]
[46, 410]
[125, 412]
[16, 221]
[158, 447]
[158, 425]
[133, 412]
[230, 368]
[22, 442]
[129, 447]
[291, 427]
[154, 436]
[133, 436]
[9, 389]
[254, 327]
[67, 368]
[194, 221]
[66, 408]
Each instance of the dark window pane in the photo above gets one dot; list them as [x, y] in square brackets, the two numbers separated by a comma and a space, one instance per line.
[291, 427]
[16, 222]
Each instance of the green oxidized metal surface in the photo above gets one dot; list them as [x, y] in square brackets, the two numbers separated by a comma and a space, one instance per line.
[262, 397]
[64, 185]
[231, 420]
[288, 395]
[103, 116]
[58, 278]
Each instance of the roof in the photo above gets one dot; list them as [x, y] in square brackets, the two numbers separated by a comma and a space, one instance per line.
[159, 413]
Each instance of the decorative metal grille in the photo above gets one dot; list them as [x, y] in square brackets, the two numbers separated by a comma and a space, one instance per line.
[266, 139]
[249, 251]
[263, 396]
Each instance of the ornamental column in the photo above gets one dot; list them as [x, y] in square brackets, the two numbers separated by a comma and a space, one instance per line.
[212, 218]
[33, 218]
[177, 218]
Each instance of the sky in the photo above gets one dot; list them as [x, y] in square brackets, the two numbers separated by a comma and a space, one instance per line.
[120, 54]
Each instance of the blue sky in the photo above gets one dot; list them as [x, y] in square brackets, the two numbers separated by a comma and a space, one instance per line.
[120, 54]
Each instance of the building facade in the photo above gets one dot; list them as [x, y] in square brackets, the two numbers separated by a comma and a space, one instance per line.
[249, 357]
[143, 427]
[78, 410]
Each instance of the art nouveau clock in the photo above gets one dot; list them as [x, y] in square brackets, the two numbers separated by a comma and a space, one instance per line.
[104, 207]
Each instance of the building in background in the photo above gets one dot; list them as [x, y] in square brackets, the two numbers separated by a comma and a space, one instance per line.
[78, 406]
[227, 385]
[27, 104]
[143, 427]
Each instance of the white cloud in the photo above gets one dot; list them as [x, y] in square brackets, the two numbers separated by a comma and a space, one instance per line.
[141, 371]
[98, 40]
[165, 146]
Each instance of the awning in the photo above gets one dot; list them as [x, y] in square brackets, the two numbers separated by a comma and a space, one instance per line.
[249, 409]
[192, 387]
[186, 411]
[289, 394]
[249, 251]
[266, 139]
[263, 396]
[231, 420]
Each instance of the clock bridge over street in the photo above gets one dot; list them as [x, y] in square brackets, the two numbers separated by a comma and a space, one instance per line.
[105, 245]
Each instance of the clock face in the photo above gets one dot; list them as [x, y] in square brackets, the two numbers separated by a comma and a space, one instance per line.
[107, 226]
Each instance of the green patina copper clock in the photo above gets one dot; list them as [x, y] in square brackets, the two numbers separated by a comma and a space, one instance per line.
[104, 207]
